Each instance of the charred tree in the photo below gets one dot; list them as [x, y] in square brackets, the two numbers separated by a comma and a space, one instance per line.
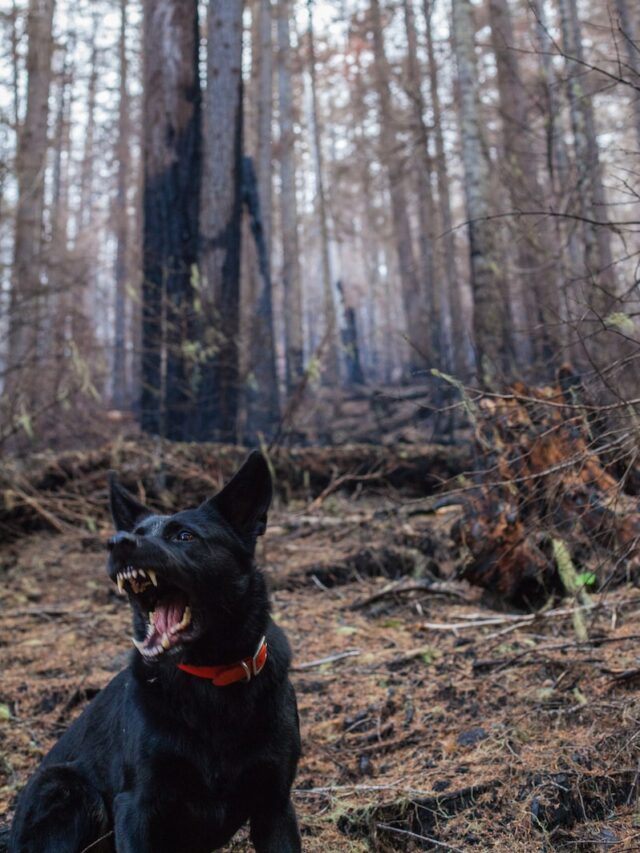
[172, 163]
[121, 221]
[262, 393]
[600, 283]
[435, 296]
[291, 278]
[332, 368]
[414, 298]
[263, 411]
[459, 334]
[537, 287]
[25, 307]
[490, 311]
[219, 319]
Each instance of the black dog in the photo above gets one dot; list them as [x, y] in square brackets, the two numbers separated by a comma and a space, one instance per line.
[200, 733]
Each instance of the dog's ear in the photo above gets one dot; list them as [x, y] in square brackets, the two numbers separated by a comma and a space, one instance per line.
[126, 510]
[245, 499]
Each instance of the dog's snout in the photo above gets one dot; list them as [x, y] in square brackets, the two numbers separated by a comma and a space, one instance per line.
[123, 541]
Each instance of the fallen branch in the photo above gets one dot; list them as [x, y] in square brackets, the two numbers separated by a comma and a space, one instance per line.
[330, 659]
[401, 587]
[406, 832]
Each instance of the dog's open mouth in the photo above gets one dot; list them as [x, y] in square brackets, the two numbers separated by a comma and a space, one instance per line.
[166, 608]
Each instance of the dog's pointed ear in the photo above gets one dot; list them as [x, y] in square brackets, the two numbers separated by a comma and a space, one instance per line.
[244, 501]
[126, 510]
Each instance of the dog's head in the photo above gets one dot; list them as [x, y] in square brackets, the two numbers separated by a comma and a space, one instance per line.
[187, 574]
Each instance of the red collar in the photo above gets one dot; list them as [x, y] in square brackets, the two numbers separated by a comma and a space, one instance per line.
[230, 673]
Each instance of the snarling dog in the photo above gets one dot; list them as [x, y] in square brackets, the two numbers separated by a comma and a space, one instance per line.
[199, 734]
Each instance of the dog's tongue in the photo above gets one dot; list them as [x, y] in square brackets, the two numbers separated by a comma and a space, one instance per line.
[168, 613]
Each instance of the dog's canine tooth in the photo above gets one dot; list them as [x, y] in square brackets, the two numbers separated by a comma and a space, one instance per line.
[120, 583]
[139, 645]
[152, 576]
[166, 642]
[186, 619]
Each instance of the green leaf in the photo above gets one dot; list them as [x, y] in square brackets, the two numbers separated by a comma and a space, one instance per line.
[587, 579]
[621, 321]
[5, 712]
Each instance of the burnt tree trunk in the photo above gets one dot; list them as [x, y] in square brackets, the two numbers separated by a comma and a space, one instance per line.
[490, 313]
[121, 222]
[263, 409]
[262, 398]
[26, 295]
[171, 211]
[291, 275]
[221, 225]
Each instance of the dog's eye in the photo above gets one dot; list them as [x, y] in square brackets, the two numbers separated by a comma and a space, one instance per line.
[183, 536]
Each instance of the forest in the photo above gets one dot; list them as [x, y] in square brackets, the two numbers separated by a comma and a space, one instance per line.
[395, 245]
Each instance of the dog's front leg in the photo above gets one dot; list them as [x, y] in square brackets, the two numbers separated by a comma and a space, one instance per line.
[274, 829]
[131, 825]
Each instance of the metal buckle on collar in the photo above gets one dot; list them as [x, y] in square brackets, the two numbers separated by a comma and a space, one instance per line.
[254, 660]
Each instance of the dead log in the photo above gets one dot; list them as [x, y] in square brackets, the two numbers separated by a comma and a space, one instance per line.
[540, 476]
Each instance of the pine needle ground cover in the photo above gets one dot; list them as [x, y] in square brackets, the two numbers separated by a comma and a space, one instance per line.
[433, 718]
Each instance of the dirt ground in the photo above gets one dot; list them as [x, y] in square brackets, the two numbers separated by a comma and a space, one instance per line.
[430, 720]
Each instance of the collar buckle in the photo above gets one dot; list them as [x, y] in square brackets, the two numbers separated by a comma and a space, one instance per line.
[256, 665]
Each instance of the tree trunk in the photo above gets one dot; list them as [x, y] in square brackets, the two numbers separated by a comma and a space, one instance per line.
[262, 387]
[600, 283]
[291, 278]
[86, 172]
[331, 373]
[26, 294]
[536, 290]
[414, 298]
[172, 160]
[221, 223]
[459, 334]
[121, 222]
[436, 295]
[490, 317]
[631, 38]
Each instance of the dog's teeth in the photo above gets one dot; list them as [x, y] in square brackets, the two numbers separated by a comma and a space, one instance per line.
[120, 583]
[166, 642]
[186, 619]
[139, 645]
[154, 579]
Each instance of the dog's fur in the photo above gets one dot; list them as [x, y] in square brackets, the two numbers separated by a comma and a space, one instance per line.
[163, 761]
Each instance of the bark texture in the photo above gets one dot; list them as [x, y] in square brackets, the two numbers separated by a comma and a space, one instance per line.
[536, 284]
[420, 349]
[121, 221]
[291, 278]
[490, 320]
[25, 307]
[221, 223]
[262, 387]
[172, 162]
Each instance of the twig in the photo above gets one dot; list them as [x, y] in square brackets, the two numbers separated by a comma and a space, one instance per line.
[402, 586]
[49, 517]
[525, 619]
[330, 659]
[336, 483]
[97, 841]
[433, 841]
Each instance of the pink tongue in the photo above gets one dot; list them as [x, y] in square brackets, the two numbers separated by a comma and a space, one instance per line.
[168, 614]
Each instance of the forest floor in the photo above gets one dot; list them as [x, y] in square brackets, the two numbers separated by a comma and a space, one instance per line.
[430, 719]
